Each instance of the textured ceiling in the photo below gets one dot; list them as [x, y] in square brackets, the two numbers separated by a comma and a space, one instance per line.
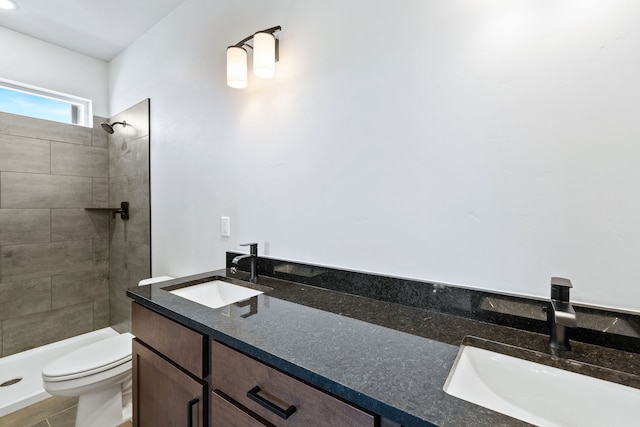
[98, 28]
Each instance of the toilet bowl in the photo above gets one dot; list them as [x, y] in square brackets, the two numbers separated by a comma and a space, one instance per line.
[100, 374]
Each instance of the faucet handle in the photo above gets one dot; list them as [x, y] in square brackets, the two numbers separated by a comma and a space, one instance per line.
[560, 289]
[561, 281]
[564, 314]
[253, 247]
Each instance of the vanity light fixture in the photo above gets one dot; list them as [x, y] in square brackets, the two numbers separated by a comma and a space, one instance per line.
[265, 55]
[8, 5]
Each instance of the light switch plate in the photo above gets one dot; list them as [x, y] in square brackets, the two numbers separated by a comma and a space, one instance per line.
[225, 226]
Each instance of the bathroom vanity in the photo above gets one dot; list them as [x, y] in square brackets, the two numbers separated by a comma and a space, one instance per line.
[305, 355]
[169, 371]
[164, 393]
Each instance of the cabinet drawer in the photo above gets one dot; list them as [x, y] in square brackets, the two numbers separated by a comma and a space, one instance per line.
[236, 375]
[184, 346]
[227, 414]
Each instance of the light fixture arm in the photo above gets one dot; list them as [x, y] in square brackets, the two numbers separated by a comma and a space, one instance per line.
[244, 41]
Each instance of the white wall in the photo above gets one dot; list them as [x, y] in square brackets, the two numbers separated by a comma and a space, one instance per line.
[487, 143]
[28, 60]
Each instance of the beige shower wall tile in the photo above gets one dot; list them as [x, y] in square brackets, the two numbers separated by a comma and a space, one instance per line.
[21, 226]
[134, 263]
[135, 190]
[21, 262]
[78, 224]
[120, 117]
[24, 190]
[19, 154]
[138, 120]
[100, 192]
[100, 252]
[32, 331]
[101, 313]
[78, 160]
[99, 138]
[25, 297]
[79, 287]
[14, 124]
[127, 158]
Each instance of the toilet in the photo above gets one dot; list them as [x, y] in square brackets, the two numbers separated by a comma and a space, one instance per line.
[100, 374]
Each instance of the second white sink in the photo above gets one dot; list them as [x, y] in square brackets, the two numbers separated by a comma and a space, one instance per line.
[216, 294]
[539, 394]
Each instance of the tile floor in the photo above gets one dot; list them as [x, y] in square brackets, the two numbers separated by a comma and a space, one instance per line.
[54, 412]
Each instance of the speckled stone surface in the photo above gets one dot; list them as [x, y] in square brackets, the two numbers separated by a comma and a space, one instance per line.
[595, 326]
[388, 358]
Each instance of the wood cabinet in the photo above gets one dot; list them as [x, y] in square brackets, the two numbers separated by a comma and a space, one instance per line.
[169, 387]
[230, 414]
[266, 396]
[163, 395]
[182, 345]
[182, 378]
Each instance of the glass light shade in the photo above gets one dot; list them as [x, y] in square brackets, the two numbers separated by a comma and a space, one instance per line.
[264, 55]
[8, 5]
[236, 67]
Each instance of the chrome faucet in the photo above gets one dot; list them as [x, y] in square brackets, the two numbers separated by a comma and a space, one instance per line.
[253, 255]
[561, 315]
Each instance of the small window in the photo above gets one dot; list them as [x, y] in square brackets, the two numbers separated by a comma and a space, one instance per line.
[18, 98]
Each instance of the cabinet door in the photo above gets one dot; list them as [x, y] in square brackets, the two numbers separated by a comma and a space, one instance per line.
[163, 395]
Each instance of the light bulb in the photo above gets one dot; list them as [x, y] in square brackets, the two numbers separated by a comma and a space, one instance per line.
[8, 5]
[264, 55]
[236, 67]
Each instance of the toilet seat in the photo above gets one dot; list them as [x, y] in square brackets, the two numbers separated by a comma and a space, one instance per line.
[100, 375]
[90, 360]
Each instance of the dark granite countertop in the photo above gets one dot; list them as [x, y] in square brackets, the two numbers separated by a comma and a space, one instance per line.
[388, 358]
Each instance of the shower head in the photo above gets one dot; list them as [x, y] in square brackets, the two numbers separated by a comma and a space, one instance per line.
[109, 127]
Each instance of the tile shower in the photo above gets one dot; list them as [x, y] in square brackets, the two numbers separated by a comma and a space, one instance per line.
[130, 241]
[63, 269]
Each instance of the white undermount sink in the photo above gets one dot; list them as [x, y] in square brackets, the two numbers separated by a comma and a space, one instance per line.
[216, 294]
[539, 394]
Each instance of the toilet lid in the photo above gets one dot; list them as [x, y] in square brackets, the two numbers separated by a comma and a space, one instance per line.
[94, 358]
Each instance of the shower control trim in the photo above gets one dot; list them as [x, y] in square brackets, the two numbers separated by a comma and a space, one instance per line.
[123, 211]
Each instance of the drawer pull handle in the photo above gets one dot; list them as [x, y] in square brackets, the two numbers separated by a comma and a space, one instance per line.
[283, 413]
[190, 405]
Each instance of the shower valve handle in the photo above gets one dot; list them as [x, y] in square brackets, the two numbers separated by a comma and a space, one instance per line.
[123, 211]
